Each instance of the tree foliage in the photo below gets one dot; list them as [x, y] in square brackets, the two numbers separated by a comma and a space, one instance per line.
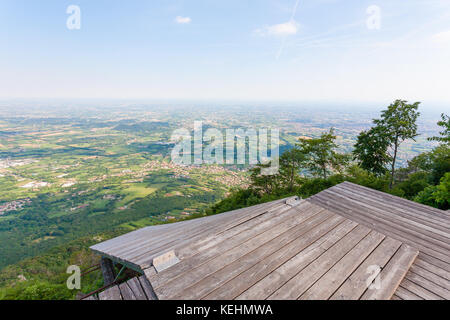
[445, 134]
[320, 155]
[437, 196]
[371, 151]
[397, 124]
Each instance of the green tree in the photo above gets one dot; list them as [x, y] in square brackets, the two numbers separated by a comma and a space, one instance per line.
[437, 196]
[445, 135]
[440, 163]
[397, 124]
[291, 162]
[415, 183]
[263, 183]
[320, 154]
[371, 151]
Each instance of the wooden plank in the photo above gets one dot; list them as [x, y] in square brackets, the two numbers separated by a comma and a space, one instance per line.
[135, 286]
[440, 281]
[296, 286]
[324, 288]
[172, 288]
[355, 286]
[126, 292]
[406, 294]
[421, 235]
[392, 274]
[429, 285]
[175, 230]
[434, 261]
[313, 238]
[419, 291]
[411, 210]
[135, 239]
[213, 240]
[154, 231]
[203, 241]
[432, 268]
[383, 196]
[277, 278]
[188, 264]
[147, 288]
[112, 293]
[391, 198]
[274, 251]
[392, 213]
[406, 237]
[128, 238]
[218, 226]
[394, 297]
[143, 252]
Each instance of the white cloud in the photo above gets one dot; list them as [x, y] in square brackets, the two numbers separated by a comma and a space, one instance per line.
[442, 37]
[182, 20]
[282, 29]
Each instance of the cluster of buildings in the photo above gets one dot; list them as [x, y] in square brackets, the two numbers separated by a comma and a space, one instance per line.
[35, 185]
[6, 163]
[15, 205]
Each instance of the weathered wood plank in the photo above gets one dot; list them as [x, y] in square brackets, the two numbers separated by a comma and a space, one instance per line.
[135, 286]
[159, 234]
[270, 283]
[204, 240]
[431, 268]
[112, 293]
[296, 286]
[127, 293]
[438, 229]
[406, 294]
[434, 261]
[217, 252]
[407, 230]
[419, 291]
[291, 241]
[212, 240]
[406, 237]
[411, 210]
[172, 288]
[444, 283]
[391, 198]
[392, 274]
[428, 284]
[136, 239]
[149, 292]
[355, 286]
[144, 251]
[333, 278]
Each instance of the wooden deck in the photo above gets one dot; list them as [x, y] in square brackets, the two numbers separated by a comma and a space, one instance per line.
[325, 247]
[424, 228]
[137, 249]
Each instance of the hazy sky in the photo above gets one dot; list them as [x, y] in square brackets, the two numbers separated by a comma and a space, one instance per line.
[228, 49]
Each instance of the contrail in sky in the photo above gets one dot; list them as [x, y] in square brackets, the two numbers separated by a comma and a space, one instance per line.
[294, 12]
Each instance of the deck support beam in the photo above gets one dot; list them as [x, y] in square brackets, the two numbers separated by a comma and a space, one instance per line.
[107, 270]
